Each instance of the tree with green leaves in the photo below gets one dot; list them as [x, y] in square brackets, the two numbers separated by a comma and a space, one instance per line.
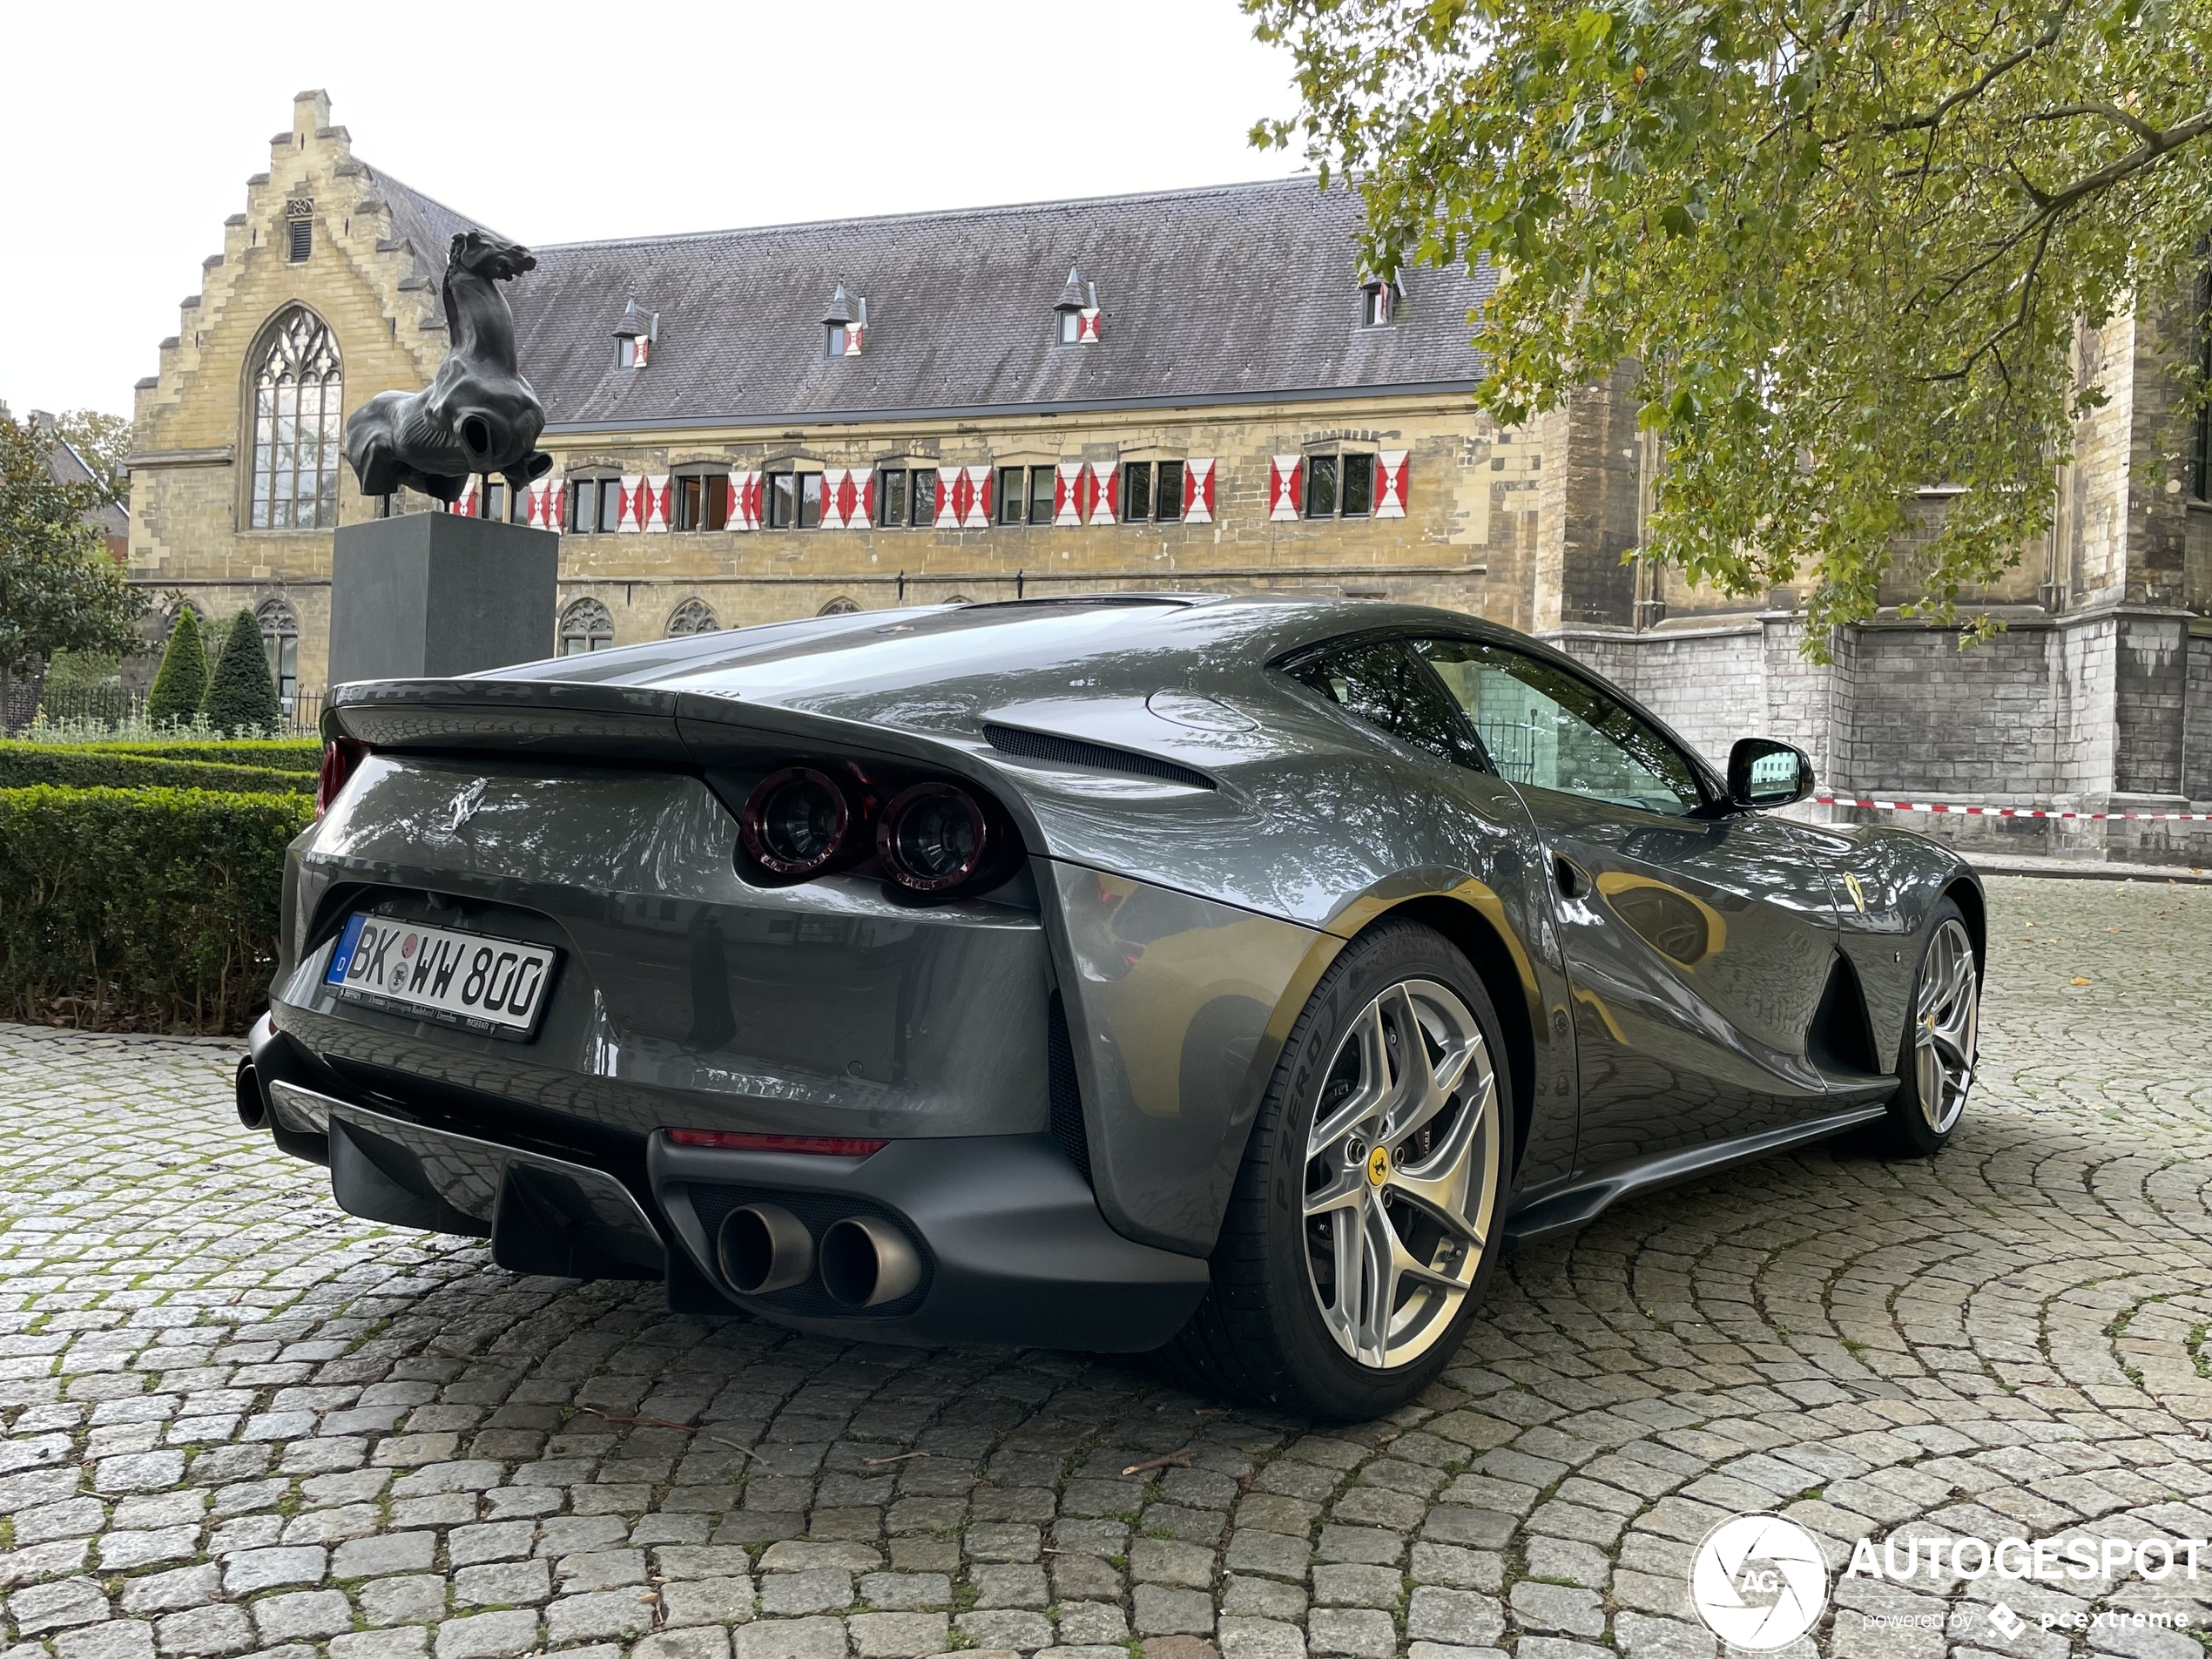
[241, 698]
[59, 591]
[1846, 247]
[103, 443]
[180, 684]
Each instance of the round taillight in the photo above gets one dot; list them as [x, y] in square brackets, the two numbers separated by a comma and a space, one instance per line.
[795, 822]
[932, 837]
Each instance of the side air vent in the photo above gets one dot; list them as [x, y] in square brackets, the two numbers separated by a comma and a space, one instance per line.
[1066, 1102]
[1840, 1039]
[1073, 752]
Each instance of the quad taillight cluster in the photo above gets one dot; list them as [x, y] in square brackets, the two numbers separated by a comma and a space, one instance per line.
[340, 757]
[932, 837]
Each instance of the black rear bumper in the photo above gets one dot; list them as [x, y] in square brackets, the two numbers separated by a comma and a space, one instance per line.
[1014, 1247]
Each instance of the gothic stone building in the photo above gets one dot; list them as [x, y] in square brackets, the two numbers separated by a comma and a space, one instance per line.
[1191, 389]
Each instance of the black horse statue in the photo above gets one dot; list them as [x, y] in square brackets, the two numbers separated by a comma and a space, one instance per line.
[479, 414]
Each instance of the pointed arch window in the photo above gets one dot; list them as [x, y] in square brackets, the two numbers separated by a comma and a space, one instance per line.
[692, 616]
[586, 626]
[281, 640]
[298, 393]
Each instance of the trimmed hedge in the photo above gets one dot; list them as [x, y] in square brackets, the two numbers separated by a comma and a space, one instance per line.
[99, 766]
[279, 754]
[141, 909]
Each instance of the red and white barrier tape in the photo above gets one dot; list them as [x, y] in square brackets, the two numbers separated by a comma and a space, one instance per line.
[2005, 812]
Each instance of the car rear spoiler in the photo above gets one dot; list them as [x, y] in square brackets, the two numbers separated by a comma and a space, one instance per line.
[574, 720]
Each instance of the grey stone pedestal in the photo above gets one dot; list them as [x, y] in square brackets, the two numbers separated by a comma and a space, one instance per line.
[431, 595]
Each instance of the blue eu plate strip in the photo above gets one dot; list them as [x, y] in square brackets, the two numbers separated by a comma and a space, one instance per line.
[342, 957]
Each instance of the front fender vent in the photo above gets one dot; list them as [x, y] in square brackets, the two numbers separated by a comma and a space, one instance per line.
[1074, 751]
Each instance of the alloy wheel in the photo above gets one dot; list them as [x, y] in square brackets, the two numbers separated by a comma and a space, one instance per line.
[1947, 1025]
[1401, 1185]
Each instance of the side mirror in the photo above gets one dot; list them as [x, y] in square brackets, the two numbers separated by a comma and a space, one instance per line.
[1763, 774]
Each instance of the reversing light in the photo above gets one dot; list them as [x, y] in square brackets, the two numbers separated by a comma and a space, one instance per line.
[796, 822]
[340, 757]
[726, 1140]
[933, 838]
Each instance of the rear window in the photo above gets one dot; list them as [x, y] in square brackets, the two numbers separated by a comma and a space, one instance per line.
[1383, 684]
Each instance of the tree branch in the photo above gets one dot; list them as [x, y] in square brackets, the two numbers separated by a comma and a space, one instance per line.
[2003, 66]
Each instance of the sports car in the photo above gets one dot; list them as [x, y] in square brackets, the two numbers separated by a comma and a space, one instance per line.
[1234, 977]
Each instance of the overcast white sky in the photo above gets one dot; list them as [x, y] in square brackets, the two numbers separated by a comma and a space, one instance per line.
[132, 129]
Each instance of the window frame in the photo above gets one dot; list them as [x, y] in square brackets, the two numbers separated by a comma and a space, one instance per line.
[694, 498]
[1036, 511]
[1380, 303]
[690, 608]
[280, 629]
[593, 641]
[916, 518]
[1157, 469]
[601, 523]
[295, 354]
[1070, 330]
[769, 506]
[1340, 475]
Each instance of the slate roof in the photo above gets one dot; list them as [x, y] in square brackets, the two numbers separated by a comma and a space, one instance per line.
[1217, 294]
[424, 223]
[67, 467]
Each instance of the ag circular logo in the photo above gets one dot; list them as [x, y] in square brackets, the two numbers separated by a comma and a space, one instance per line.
[1758, 1581]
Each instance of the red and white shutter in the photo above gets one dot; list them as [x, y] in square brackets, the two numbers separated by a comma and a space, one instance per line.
[745, 500]
[978, 515]
[1198, 491]
[952, 489]
[1067, 493]
[542, 506]
[655, 504]
[1087, 327]
[848, 497]
[1285, 475]
[465, 502]
[632, 516]
[1104, 481]
[1390, 466]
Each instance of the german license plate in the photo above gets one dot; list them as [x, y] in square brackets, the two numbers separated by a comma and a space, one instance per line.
[495, 986]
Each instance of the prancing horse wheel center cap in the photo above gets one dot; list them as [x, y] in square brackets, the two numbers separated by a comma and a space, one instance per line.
[1378, 1166]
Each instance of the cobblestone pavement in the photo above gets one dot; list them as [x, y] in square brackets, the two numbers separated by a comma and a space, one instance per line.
[237, 1420]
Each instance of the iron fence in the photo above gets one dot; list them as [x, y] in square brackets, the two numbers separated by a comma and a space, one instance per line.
[84, 709]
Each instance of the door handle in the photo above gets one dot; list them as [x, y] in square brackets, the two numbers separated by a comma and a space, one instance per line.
[1567, 878]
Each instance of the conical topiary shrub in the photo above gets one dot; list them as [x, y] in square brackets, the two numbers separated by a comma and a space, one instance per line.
[241, 698]
[180, 684]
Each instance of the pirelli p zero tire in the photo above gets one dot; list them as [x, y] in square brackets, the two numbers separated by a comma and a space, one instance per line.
[1942, 1040]
[1367, 1217]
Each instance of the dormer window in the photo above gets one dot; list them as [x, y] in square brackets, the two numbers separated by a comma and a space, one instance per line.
[1380, 302]
[634, 336]
[1076, 311]
[844, 325]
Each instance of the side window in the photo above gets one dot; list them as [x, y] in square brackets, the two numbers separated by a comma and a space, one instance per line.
[1552, 730]
[1384, 684]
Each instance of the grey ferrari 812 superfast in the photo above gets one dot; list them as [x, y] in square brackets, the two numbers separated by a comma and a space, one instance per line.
[1233, 977]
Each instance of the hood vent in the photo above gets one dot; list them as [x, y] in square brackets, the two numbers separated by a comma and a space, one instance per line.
[1074, 751]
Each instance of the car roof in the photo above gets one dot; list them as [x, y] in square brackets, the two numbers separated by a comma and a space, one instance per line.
[1115, 643]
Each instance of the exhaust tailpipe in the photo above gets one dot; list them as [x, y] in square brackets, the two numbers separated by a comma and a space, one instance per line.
[252, 1111]
[866, 1263]
[764, 1247]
